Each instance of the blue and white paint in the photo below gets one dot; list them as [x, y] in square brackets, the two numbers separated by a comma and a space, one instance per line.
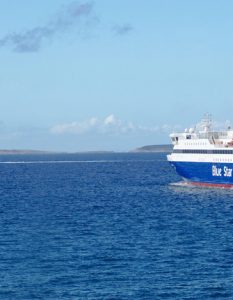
[202, 155]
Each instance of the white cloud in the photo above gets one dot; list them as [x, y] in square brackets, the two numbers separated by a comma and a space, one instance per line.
[111, 120]
[75, 127]
[110, 125]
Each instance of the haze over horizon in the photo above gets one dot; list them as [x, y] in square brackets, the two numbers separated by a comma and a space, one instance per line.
[111, 75]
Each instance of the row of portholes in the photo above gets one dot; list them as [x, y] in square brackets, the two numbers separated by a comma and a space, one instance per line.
[196, 144]
[229, 160]
[222, 160]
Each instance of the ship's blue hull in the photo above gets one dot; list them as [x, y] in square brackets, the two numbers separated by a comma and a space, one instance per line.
[202, 172]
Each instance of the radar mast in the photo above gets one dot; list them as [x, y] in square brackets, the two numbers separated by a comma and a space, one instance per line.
[206, 122]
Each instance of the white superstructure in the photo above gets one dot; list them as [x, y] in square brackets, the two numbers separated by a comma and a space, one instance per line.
[194, 143]
[203, 155]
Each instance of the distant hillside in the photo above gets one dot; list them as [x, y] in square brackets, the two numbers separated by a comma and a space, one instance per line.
[154, 148]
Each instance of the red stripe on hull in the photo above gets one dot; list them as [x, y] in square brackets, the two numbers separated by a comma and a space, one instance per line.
[206, 184]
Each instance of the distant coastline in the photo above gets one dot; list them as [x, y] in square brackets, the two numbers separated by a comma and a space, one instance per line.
[149, 148]
[154, 148]
[44, 152]
[13, 151]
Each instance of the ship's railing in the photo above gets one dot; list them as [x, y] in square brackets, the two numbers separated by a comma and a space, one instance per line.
[214, 137]
[210, 135]
[204, 135]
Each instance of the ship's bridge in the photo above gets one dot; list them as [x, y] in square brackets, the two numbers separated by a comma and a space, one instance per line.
[193, 138]
[203, 135]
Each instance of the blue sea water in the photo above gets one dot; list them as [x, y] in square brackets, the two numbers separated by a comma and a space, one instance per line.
[111, 226]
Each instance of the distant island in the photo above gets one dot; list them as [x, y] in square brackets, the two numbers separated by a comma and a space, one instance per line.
[154, 148]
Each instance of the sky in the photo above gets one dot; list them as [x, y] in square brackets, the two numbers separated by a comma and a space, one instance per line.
[111, 75]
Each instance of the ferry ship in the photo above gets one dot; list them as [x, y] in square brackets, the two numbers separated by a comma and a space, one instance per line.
[203, 156]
